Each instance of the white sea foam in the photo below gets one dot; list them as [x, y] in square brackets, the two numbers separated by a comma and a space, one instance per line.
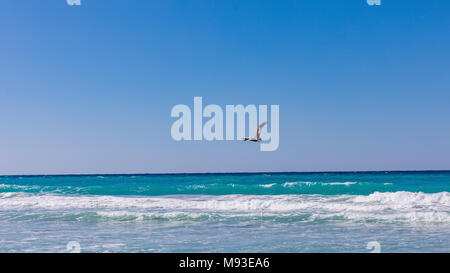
[13, 186]
[195, 187]
[309, 183]
[268, 185]
[113, 245]
[341, 183]
[292, 184]
[401, 206]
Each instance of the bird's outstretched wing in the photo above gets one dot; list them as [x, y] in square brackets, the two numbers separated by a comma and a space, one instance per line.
[258, 129]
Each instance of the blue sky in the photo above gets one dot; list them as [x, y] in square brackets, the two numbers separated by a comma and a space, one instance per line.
[89, 89]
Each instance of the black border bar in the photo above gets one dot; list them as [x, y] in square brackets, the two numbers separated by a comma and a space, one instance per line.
[227, 262]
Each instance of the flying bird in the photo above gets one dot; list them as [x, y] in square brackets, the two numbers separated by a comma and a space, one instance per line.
[256, 138]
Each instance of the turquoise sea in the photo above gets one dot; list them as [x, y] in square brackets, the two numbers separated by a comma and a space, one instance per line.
[248, 212]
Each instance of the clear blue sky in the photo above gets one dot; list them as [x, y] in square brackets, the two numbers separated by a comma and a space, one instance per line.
[89, 89]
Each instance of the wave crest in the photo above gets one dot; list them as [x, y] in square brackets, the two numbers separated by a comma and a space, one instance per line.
[388, 206]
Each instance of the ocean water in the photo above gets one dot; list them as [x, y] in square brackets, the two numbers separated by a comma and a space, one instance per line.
[272, 212]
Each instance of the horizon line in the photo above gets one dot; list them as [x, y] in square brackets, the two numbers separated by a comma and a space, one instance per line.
[218, 173]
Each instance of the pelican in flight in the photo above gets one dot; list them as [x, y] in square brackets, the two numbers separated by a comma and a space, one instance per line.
[256, 138]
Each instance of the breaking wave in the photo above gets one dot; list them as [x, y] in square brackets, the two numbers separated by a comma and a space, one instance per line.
[388, 206]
